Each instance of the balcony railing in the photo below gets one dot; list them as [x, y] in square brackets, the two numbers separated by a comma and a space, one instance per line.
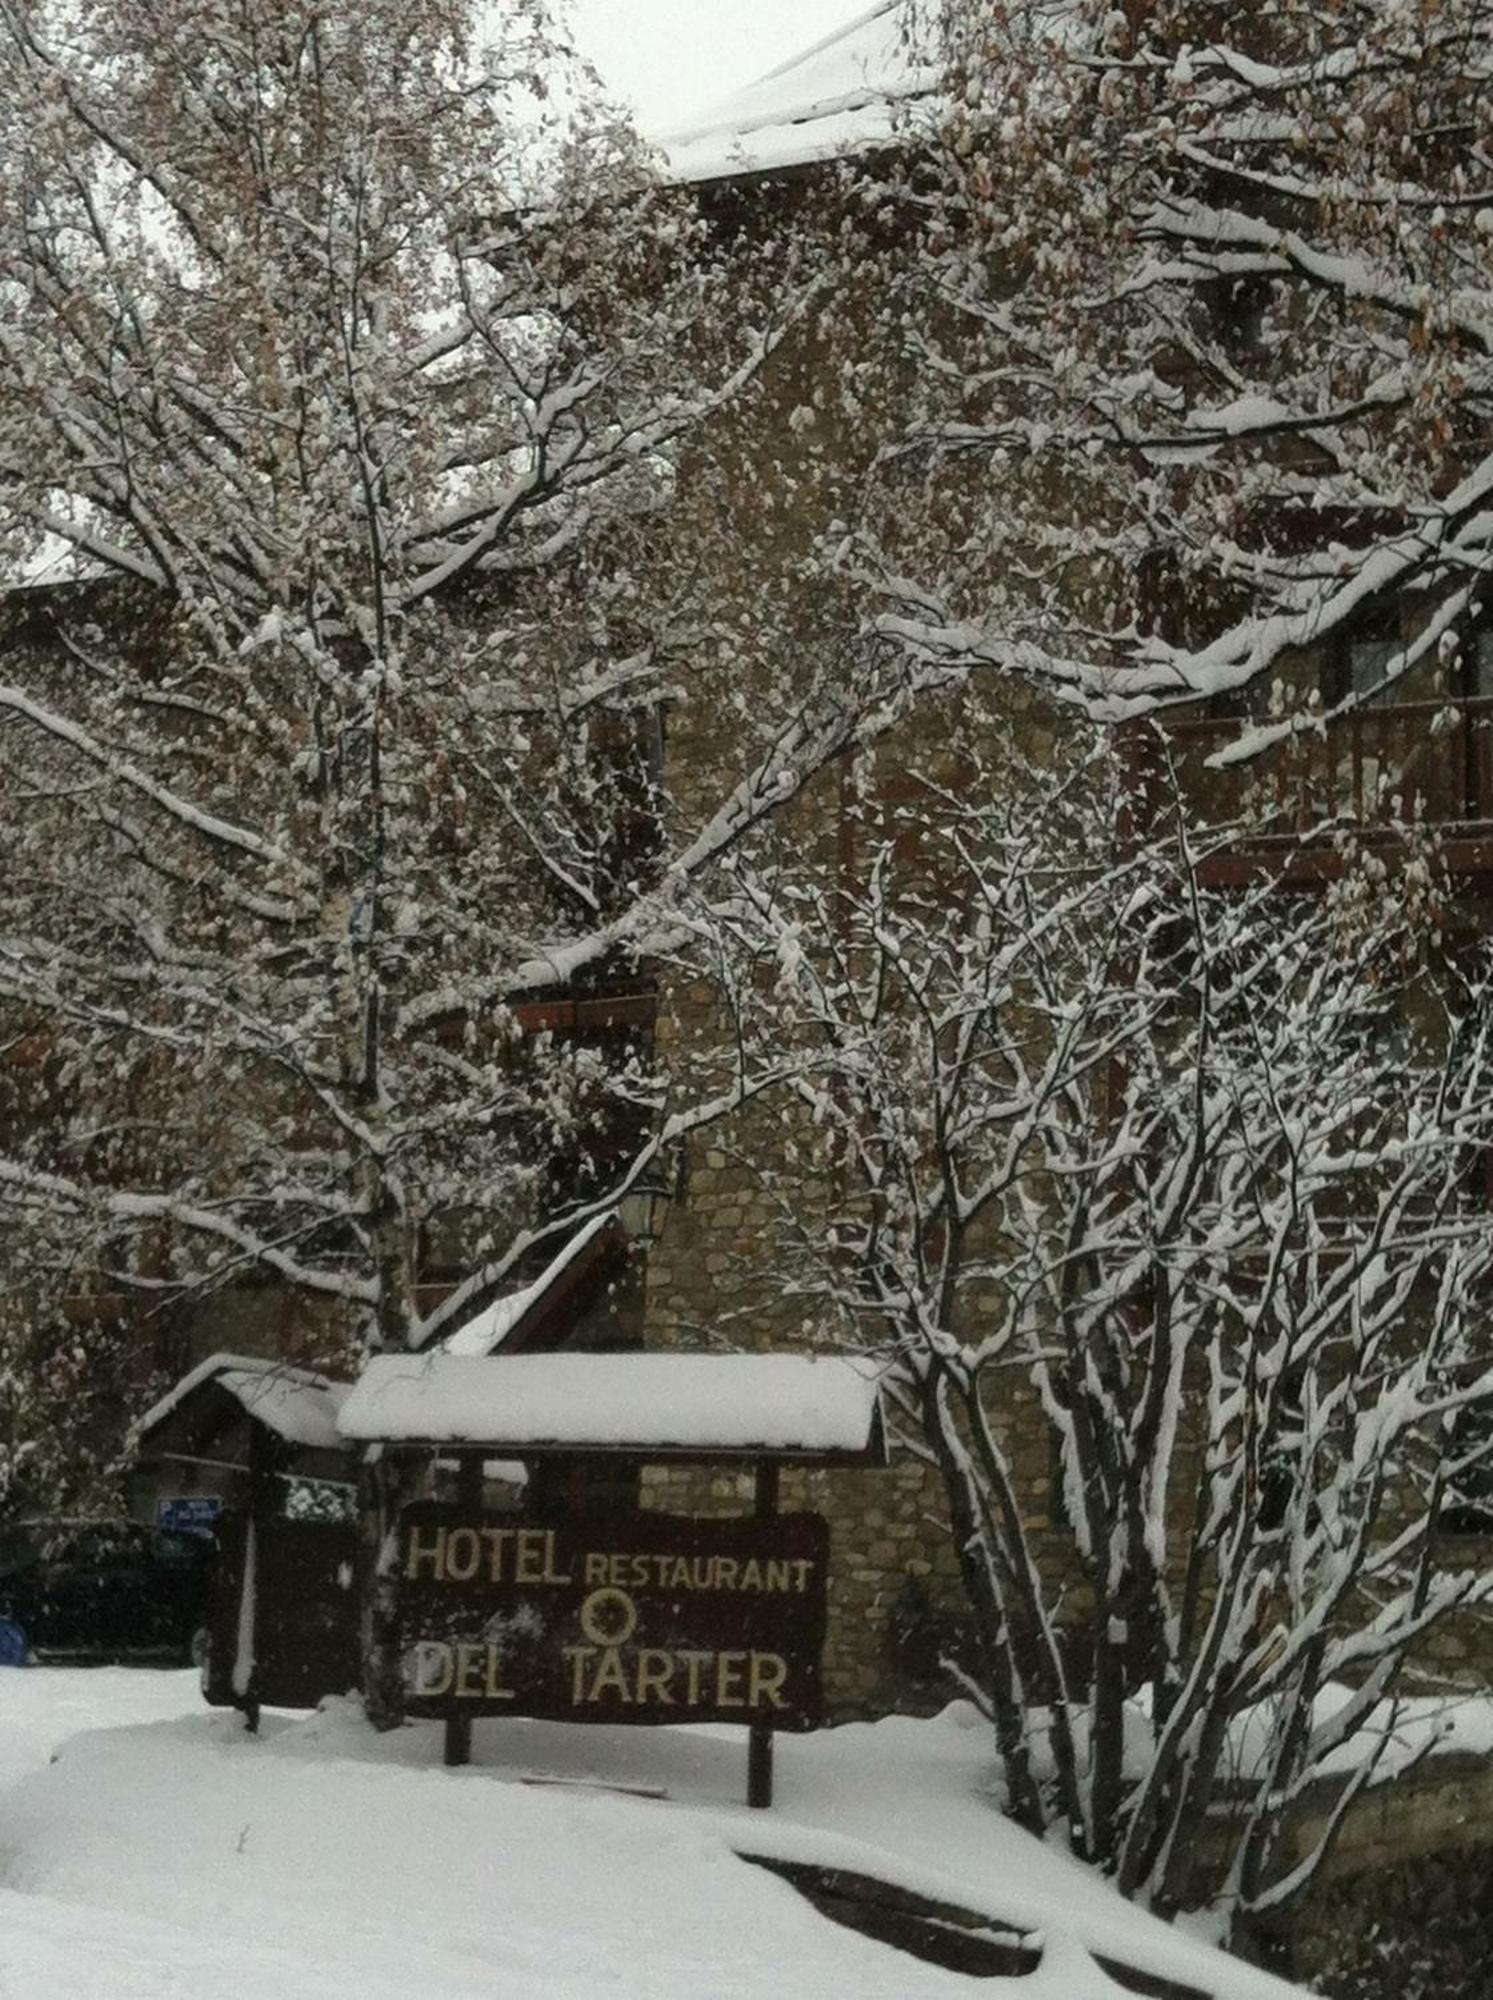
[1423, 763]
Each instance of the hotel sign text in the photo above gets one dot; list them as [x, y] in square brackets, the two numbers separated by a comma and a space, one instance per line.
[616, 1617]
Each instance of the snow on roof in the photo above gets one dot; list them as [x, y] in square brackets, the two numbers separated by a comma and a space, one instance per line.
[492, 1326]
[690, 1404]
[843, 95]
[297, 1405]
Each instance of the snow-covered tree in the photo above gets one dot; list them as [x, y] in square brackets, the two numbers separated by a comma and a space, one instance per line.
[67, 1364]
[358, 391]
[346, 360]
[1202, 296]
[1164, 1209]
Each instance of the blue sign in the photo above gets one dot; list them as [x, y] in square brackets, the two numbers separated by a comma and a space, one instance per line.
[196, 1514]
[13, 1647]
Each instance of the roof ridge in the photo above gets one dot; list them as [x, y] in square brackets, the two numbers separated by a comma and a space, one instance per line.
[828, 41]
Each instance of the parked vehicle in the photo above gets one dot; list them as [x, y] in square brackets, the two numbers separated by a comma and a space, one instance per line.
[104, 1589]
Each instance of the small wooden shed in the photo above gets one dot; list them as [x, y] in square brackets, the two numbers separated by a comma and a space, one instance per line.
[234, 1414]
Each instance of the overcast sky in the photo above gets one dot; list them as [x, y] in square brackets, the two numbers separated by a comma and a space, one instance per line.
[672, 58]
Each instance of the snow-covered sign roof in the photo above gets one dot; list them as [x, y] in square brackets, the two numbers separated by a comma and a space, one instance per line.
[842, 96]
[649, 1405]
[297, 1405]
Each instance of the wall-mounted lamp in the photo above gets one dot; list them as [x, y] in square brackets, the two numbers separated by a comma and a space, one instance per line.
[644, 1208]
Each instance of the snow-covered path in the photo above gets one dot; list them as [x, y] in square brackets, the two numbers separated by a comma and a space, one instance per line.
[175, 1856]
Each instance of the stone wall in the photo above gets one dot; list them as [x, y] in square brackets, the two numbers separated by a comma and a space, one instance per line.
[714, 1279]
[715, 1276]
[896, 1604]
[1403, 1909]
[894, 1586]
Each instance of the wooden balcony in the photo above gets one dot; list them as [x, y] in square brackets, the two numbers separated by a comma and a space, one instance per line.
[1377, 772]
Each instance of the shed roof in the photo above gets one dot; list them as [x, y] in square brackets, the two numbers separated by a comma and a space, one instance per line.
[296, 1404]
[647, 1405]
[844, 95]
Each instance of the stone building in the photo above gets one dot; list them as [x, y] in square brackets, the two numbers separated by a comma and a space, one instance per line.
[707, 1274]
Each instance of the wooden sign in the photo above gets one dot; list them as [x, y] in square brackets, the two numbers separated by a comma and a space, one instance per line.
[616, 1617]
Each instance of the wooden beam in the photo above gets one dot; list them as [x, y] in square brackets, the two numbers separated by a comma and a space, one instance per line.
[458, 1744]
[759, 1737]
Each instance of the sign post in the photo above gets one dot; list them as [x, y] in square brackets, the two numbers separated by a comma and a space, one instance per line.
[759, 1740]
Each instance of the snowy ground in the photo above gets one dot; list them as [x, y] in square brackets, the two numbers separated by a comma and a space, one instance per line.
[165, 1854]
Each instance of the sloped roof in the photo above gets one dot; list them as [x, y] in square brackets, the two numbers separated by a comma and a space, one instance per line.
[298, 1405]
[499, 1323]
[841, 96]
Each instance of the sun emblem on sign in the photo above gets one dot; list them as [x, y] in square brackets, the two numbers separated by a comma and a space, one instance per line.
[609, 1617]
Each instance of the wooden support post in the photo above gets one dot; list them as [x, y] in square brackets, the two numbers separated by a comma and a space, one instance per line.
[759, 1765]
[759, 1738]
[458, 1748]
[262, 1499]
[458, 1740]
